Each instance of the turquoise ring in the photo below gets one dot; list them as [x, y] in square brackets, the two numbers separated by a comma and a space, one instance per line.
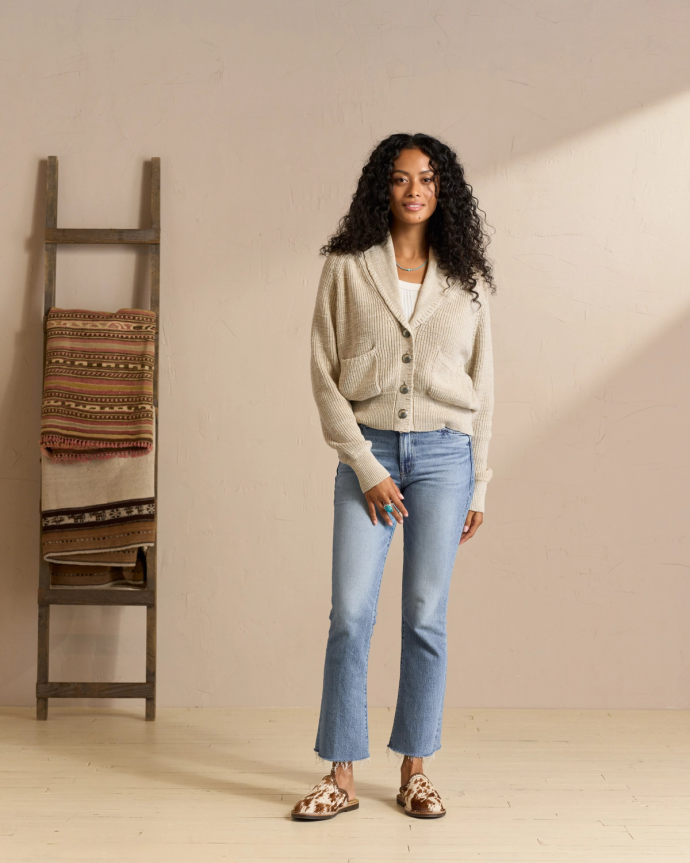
[388, 507]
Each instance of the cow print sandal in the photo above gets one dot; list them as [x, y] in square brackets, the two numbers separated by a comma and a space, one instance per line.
[420, 798]
[325, 800]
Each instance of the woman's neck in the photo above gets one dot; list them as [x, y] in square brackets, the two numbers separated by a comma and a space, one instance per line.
[410, 243]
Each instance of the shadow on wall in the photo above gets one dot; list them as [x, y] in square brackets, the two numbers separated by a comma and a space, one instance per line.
[588, 541]
[20, 418]
[542, 75]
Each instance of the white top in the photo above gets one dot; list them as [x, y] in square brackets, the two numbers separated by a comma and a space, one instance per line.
[408, 296]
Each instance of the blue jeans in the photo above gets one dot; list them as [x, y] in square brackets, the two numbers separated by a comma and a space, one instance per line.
[435, 472]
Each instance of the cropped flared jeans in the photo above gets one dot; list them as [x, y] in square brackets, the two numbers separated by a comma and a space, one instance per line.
[435, 472]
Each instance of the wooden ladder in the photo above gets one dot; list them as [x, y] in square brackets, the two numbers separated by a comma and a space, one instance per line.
[146, 595]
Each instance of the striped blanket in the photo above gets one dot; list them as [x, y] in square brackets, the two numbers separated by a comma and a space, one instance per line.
[67, 574]
[98, 385]
[97, 512]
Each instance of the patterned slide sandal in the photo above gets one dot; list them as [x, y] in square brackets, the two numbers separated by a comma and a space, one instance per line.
[420, 798]
[325, 800]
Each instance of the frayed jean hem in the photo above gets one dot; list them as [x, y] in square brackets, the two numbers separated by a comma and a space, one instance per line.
[401, 755]
[339, 761]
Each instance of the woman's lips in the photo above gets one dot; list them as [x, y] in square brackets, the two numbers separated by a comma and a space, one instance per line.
[413, 207]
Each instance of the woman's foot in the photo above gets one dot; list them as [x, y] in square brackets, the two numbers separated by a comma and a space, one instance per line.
[409, 767]
[417, 795]
[325, 800]
[345, 777]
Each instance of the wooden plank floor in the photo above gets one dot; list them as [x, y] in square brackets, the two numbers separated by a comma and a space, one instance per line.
[209, 784]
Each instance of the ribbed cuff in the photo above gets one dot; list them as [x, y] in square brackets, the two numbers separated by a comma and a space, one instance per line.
[369, 470]
[477, 502]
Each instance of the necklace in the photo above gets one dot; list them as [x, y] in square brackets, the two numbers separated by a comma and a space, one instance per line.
[412, 269]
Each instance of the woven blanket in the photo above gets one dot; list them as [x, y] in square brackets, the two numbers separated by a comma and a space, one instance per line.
[97, 512]
[98, 384]
[67, 574]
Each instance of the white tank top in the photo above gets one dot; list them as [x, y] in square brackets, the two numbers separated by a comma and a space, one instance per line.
[408, 296]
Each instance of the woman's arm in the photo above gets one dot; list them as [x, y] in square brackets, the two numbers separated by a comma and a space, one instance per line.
[481, 370]
[338, 422]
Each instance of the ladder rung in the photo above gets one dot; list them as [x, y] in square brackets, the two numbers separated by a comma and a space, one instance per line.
[103, 235]
[96, 596]
[64, 689]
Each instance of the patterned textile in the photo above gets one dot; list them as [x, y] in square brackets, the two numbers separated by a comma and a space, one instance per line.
[76, 575]
[98, 386]
[420, 798]
[97, 512]
[325, 800]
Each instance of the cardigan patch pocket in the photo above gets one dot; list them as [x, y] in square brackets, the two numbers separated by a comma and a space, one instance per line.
[359, 376]
[451, 384]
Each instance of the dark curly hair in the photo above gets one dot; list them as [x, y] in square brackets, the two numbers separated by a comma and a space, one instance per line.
[454, 229]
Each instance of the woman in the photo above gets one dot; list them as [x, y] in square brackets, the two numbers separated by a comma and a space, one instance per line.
[402, 375]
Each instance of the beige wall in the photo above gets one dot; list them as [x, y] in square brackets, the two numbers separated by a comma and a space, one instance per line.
[572, 121]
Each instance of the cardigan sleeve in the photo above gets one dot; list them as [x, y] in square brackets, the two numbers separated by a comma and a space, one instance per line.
[338, 422]
[481, 370]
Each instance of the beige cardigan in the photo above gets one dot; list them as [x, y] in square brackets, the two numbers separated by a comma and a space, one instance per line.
[370, 365]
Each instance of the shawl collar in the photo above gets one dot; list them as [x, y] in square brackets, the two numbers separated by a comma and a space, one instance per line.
[379, 261]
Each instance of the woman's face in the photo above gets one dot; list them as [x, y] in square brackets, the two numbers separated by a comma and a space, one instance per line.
[413, 187]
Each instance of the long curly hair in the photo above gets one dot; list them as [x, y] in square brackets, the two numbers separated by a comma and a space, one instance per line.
[454, 229]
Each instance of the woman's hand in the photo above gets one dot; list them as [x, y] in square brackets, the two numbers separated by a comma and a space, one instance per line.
[379, 495]
[472, 522]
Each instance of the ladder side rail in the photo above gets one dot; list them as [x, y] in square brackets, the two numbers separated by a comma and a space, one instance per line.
[152, 552]
[43, 660]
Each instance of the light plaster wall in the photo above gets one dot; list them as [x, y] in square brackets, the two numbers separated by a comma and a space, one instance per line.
[572, 121]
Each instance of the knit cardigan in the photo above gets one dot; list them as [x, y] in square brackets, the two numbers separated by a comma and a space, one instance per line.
[370, 365]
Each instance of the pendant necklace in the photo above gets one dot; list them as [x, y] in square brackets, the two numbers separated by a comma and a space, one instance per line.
[412, 269]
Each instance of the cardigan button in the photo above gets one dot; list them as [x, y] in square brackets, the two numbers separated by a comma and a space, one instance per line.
[404, 388]
[407, 358]
[402, 414]
[406, 333]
